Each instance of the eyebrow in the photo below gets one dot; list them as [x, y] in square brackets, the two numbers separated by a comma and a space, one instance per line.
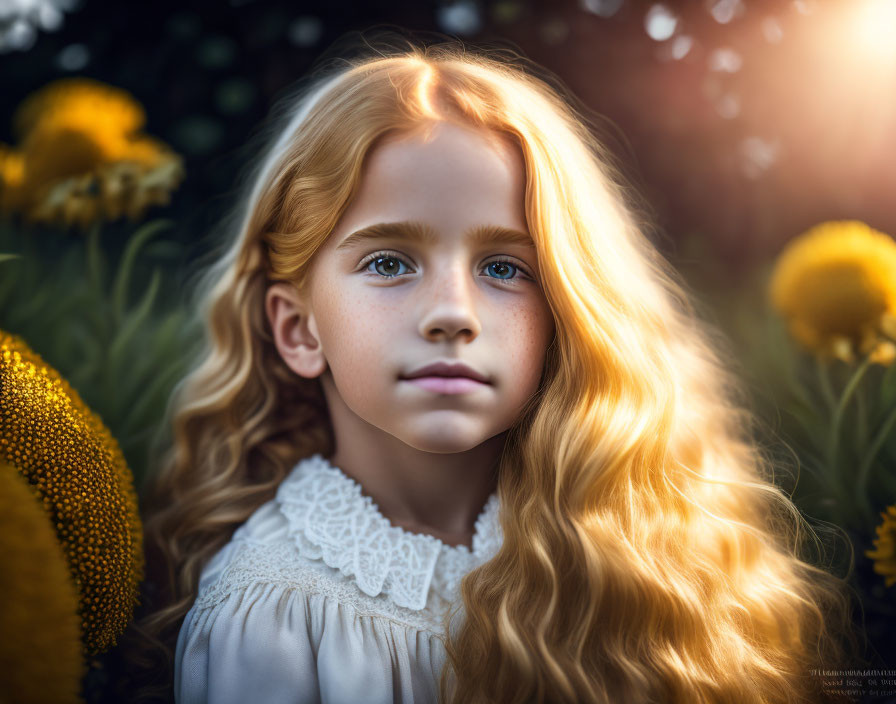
[412, 231]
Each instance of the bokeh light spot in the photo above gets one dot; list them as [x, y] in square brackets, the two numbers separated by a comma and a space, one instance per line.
[74, 57]
[602, 8]
[305, 31]
[660, 23]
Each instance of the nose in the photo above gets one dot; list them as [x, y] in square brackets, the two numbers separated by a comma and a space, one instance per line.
[448, 306]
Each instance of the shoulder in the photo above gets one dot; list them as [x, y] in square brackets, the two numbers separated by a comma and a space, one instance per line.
[275, 627]
[266, 526]
[255, 571]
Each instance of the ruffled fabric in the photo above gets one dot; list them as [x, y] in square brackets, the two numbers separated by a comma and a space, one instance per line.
[330, 519]
[275, 642]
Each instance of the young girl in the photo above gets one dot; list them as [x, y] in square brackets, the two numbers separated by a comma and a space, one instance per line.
[458, 434]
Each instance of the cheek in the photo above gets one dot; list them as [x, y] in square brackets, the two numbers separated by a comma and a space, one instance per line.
[528, 330]
[354, 332]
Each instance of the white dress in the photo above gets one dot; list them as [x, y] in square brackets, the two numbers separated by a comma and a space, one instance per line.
[318, 598]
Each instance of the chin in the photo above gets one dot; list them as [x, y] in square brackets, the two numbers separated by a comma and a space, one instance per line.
[443, 440]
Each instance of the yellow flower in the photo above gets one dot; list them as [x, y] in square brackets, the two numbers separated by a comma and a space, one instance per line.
[123, 188]
[12, 177]
[77, 137]
[79, 101]
[884, 554]
[77, 469]
[836, 286]
[883, 353]
[39, 612]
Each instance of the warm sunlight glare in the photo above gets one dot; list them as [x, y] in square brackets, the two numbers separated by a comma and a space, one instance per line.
[876, 28]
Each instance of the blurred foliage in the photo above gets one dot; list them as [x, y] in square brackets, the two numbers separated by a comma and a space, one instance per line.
[116, 330]
[827, 424]
[796, 394]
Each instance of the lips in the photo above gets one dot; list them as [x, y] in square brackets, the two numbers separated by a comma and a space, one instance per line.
[447, 369]
[446, 384]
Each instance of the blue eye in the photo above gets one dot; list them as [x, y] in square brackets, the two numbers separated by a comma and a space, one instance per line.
[388, 266]
[502, 265]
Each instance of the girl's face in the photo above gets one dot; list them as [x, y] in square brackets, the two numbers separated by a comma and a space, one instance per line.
[387, 297]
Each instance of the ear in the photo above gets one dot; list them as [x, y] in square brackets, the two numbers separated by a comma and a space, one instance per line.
[295, 330]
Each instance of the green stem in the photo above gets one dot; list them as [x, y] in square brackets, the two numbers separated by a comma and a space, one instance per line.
[93, 261]
[851, 385]
[865, 466]
[861, 418]
[825, 382]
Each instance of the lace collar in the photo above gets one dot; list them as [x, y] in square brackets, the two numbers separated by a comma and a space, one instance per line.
[330, 519]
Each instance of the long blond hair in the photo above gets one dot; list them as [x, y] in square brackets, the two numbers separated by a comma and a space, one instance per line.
[648, 555]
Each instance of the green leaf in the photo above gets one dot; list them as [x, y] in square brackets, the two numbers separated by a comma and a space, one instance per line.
[807, 418]
[884, 475]
[33, 306]
[63, 308]
[9, 283]
[95, 262]
[887, 395]
[6, 257]
[90, 354]
[145, 366]
[93, 314]
[165, 249]
[122, 278]
[149, 405]
[117, 350]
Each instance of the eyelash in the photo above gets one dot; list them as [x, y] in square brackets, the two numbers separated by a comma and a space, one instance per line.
[386, 254]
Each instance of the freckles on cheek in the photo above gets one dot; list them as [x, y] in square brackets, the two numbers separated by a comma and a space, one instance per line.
[372, 320]
[529, 332]
[359, 335]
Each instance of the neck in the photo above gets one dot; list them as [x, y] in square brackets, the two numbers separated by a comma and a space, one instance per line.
[440, 494]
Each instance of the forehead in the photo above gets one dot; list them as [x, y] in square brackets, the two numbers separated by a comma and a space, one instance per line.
[449, 177]
[453, 147]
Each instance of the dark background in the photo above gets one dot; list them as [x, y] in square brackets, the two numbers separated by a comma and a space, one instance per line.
[736, 152]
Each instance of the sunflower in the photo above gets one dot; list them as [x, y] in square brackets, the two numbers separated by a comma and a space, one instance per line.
[78, 472]
[39, 612]
[836, 286]
[884, 553]
[77, 137]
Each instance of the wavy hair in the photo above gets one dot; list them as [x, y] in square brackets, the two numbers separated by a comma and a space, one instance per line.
[648, 554]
